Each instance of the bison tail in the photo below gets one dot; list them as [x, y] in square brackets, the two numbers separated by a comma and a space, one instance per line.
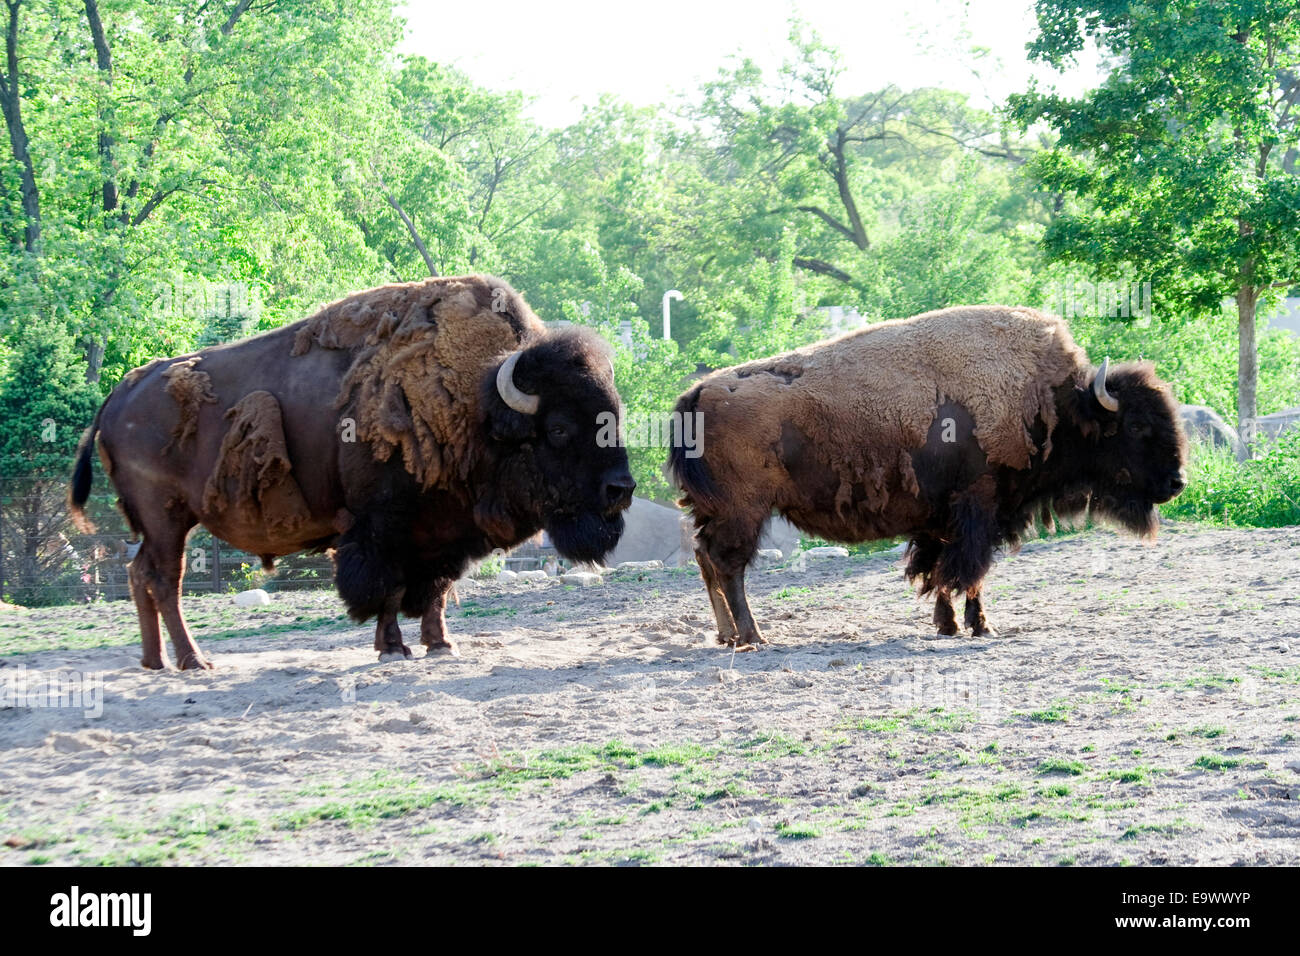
[686, 464]
[82, 475]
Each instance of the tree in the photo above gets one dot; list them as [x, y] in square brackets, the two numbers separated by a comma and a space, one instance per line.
[45, 402]
[1180, 166]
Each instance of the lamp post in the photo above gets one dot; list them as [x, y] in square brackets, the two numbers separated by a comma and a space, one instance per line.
[668, 297]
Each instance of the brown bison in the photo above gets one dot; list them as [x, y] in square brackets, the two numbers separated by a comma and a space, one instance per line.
[411, 428]
[956, 428]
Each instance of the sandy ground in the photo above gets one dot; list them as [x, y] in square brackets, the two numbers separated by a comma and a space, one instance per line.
[1140, 705]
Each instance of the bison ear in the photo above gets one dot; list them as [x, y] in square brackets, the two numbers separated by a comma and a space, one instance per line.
[506, 425]
[1086, 412]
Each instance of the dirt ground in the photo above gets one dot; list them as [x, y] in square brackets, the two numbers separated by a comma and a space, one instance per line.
[1140, 705]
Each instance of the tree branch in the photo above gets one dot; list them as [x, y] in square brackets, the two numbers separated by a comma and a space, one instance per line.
[822, 268]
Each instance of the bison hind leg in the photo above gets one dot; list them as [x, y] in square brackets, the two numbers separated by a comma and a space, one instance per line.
[155, 575]
[729, 546]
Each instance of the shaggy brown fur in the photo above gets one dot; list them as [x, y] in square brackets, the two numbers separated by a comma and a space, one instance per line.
[253, 473]
[946, 426]
[900, 372]
[420, 351]
[190, 388]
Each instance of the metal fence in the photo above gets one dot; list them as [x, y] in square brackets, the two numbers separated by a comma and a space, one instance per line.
[45, 560]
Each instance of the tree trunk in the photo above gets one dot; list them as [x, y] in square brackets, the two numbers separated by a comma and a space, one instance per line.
[1247, 367]
[94, 357]
[12, 101]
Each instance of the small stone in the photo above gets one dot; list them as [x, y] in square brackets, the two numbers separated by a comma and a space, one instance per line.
[728, 676]
[767, 558]
[507, 576]
[826, 551]
[583, 579]
[533, 576]
[640, 565]
[254, 598]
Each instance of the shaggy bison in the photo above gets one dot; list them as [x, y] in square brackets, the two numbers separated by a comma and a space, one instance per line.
[956, 428]
[411, 428]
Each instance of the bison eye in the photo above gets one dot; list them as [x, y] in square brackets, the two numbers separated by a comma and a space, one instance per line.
[558, 433]
[1137, 430]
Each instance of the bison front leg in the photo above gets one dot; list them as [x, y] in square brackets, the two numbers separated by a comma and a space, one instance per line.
[388, 636]
[975, 620]
[945, 618]
[433, 625]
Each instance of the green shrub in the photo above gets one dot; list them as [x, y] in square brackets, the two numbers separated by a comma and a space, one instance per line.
[1261, 493]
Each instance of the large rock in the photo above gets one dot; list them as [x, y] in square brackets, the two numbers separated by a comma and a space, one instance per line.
[654, 532]
[1272, 426]
[651, 532]
[1203, 423]
[254, 598]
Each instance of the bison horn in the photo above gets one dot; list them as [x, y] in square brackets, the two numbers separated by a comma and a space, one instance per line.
[509, 391]
[1105, 398]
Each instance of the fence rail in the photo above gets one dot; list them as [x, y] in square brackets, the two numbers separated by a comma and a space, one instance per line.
[45, 560]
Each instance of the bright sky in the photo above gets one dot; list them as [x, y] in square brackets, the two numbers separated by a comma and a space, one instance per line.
[565, 53]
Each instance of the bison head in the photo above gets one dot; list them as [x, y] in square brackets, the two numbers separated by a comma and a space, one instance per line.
[1137, 451]
[542, 408]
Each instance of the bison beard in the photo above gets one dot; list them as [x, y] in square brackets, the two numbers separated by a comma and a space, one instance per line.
[958, 429]
[585, 537]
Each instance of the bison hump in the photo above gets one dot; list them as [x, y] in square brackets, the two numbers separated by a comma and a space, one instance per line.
[252, 480]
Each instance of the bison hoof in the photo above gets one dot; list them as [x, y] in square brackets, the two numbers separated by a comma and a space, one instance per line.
[195, 662]
[988, 630]
[728, 641]
[445, 649]
[400, 653]
[153, 665]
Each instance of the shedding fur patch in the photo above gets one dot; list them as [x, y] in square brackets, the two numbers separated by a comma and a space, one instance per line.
[420, 352]
[254, 471]
[191, 389]
[133, 376]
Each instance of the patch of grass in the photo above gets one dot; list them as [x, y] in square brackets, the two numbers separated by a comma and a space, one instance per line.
[936, 719]
[1215, 762]
[1132, 775]
[473, 609]
[1056, 765]
[1058, 712]
[875, 725]
[797, 831]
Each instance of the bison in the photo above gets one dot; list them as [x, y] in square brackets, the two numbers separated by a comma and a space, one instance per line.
[410, 428]
[957, 429]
